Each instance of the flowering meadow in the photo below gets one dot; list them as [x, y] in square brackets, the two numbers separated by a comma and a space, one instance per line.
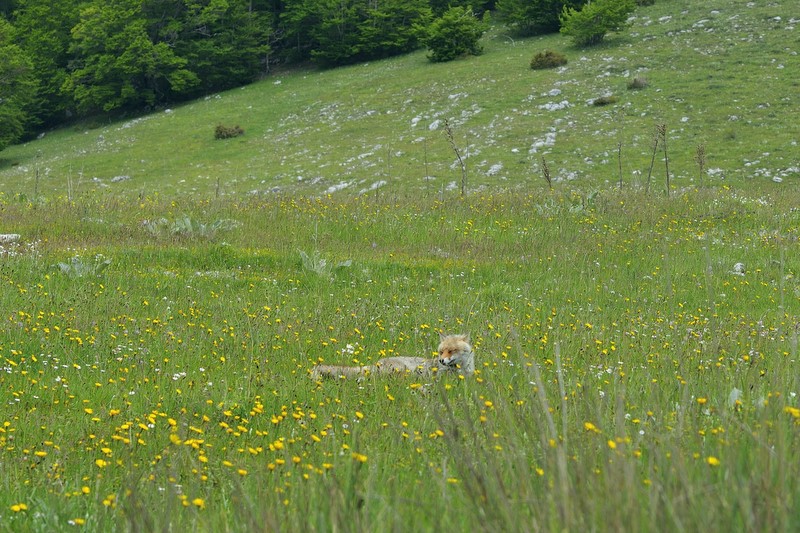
[637, 362]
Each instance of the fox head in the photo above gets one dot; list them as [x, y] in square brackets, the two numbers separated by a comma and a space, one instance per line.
[455, 352]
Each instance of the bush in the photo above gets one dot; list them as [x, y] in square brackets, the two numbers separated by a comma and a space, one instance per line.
[455, 34]
[227, 132]
[591, 24]
[604, 100]
[637, 83]
[548, 59]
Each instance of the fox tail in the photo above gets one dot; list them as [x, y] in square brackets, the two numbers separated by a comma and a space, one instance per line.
[331, 371]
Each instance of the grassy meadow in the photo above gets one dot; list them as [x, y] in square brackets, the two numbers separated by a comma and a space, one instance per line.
[636, 345]
[156, 358]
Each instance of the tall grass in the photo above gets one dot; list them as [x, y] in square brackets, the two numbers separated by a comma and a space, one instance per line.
[628, 376]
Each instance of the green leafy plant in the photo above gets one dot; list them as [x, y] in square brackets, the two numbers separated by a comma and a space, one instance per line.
[548, 59]
[187, 227]
[455, 34]
[77, 267]
[589, 25]
[319, 265]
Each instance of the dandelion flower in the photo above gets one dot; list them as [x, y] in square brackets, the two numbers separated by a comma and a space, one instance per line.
[712, 461]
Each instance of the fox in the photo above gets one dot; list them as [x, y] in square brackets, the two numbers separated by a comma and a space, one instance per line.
[455, 355]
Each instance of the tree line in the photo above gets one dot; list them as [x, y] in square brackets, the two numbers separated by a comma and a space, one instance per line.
[66, 59]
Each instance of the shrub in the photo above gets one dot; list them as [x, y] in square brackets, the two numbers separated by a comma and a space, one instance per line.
[637, 83]
[604, 100]
[548, 59]
[591, 24]
[645, 2]
[455, 34]
[227, 132]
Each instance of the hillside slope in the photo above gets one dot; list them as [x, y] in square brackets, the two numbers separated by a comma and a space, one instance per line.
[722, 74]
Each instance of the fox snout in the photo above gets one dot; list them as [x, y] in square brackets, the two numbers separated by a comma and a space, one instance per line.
[446, 361]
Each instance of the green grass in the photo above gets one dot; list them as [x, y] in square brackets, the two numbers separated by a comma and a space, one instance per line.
[157, 338]
[719, 73]
[171, 388]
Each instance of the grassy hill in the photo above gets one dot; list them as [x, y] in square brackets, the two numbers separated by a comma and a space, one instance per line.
[722, 74]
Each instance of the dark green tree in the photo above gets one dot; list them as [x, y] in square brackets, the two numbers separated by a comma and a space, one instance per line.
[43, 32]
[455, 34]
[296, 21]
[116, 64]
[530, 17]
[335, 36]
[17, 87]
[589, 25]
[7, 7]
[225, 42]
[389, 27]
[478, 6]
[336, 32]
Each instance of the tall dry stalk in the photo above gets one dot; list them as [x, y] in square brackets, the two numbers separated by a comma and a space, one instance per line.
[662, 132]
[546, 173]
[700, 159]
[448, 130]
[656, 139]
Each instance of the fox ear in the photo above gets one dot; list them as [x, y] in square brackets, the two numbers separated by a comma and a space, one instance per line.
[465, 336]
[442, 336]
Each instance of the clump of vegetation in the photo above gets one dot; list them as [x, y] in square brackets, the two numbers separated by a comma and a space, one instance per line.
[645, 2]
[455, 34]
[187, 227]
[604, 100]
[637, 83]
[227, 132]
[548, 59]
[589, 25]
[317, 264]
[77, 267]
